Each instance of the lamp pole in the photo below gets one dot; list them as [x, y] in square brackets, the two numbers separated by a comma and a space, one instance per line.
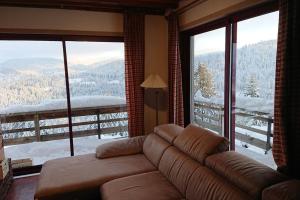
[154, 81]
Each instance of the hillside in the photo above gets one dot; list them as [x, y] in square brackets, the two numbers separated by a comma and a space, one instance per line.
[34, 81]
[256, 60]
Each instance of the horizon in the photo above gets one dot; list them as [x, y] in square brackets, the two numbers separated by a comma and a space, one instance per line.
[112, 59]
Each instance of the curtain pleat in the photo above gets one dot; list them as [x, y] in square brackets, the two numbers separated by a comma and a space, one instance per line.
[134, 41]
[286, 141]
[176, 114]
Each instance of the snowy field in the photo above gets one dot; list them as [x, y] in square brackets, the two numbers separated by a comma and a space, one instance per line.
[40, 152]
[257, 154]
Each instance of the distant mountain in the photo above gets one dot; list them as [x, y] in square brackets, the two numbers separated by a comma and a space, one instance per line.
[52, 65]
[37, 65]
[31, 81]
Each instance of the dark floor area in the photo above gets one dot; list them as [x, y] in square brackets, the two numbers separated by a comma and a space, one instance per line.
[23, 188]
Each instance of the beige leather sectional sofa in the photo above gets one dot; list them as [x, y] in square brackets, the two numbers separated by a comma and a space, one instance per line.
[171, 163]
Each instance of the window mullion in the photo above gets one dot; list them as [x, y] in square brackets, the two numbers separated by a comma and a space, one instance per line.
[68, 98]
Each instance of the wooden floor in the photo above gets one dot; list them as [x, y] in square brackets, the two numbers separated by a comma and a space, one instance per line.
[23, 188]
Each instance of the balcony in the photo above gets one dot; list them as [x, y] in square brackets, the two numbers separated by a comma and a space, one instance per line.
[253, 129]
[26, 134]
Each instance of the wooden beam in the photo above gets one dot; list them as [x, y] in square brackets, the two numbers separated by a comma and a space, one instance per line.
[37, 128]
[150, 6]
[250, 140]
[65, 135]
[189, 6]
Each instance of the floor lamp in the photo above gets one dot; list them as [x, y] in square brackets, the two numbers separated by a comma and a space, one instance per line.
[153, 81]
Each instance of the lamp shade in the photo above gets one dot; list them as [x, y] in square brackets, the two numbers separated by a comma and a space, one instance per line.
[154, 81]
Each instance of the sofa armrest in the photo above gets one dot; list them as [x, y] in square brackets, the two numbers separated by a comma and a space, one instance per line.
[123, 147]
[287, 190]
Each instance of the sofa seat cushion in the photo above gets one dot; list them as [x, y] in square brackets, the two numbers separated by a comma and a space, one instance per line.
[86, 173]
[246, 173]
[199, 143]
[147, 186]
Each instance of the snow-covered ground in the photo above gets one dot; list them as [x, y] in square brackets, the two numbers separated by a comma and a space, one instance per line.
[266, 159]
[248, 103]
[57, 104]
[252, 151]
[40, 152]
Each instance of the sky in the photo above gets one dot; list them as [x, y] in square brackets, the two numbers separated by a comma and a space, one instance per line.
[254, 30]
[77, 52]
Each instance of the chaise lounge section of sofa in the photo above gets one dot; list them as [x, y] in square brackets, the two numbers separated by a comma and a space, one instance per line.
[171, 163]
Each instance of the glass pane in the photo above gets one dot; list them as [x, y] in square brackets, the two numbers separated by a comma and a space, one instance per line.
[208, 64]
[33, 101]
[255, 82]
[97, 87]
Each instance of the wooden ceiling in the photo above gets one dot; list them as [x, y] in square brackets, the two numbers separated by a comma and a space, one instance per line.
[156, 6]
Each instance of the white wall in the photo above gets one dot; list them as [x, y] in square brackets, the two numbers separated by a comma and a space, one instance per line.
[35, 20]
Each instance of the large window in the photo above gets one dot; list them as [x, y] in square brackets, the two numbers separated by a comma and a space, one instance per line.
[32, 84]
[233, 82]
[208, 79]
[255, 86]
[35, 121]
[97, 81]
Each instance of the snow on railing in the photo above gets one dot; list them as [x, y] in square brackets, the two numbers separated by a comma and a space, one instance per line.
[251, 127]
[45, 125]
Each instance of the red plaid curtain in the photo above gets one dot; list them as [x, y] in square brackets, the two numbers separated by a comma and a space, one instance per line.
[134, 39]
[286, 141]
[175, 76]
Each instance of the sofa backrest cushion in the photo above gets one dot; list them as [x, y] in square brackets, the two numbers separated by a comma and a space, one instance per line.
[247, 174]
[154, 147]
[205, 184]
[177, 167]
[168, 131]
[199, 143]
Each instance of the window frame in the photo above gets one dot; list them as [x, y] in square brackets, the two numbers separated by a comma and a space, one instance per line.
[230, 23]
[63, 39]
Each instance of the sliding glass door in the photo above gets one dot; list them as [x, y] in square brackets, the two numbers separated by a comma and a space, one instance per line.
[255, 86]
[33, 105]
[97, 89]
[208, 64]
[232, 80]
[37, 122]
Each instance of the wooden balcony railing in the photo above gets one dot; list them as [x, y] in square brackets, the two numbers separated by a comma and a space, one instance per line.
[211, 116]
[100, 120]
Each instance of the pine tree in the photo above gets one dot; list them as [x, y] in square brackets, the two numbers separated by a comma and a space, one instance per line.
[204, 81]
[251, 89]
